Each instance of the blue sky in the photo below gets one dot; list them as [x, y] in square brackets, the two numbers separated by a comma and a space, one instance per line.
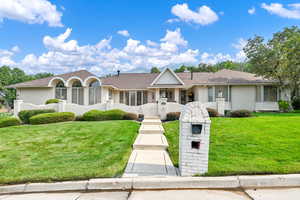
[133, 35]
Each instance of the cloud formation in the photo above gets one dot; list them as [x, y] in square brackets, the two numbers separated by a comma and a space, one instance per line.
[292, 11]
[31, 12]
[124, 33]
[203, 16]
[252, 11]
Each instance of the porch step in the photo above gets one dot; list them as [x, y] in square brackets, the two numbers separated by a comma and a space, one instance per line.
[151, 129]
[151, 122]
[150, 142]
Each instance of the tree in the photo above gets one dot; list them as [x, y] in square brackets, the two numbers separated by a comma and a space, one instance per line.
[154, 70]
[182, 68]
[278, 58]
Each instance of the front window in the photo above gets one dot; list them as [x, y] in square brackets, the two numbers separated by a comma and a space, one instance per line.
[134, 98]
[167, 93]
[60, 91]
[222, 91]
[94, 92]
[270, 94]
[210, 94]
[77, 93]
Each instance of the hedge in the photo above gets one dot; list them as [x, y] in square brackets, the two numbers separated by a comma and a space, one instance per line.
[93, 115]
[47, 118]
[212, 112]
[10, 121]
[52, 101]
[98, 115]
[131, 116]
[173, 116]
[241, 113]
[25, 115]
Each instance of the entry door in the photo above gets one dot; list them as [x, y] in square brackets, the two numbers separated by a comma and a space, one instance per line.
[243, 97]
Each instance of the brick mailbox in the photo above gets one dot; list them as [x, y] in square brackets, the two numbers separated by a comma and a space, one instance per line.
[194, 139]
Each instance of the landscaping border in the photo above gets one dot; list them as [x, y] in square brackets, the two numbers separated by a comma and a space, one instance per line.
[158, 183]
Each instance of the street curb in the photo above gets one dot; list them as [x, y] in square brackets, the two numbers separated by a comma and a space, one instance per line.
[158, 183]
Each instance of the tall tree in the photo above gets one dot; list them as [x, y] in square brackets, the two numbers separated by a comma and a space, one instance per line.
[278, 58]
[155, 70]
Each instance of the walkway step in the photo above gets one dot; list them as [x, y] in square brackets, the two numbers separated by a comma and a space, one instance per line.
[151, 117]
[151, 129]
[149, 163]
[150, 142]
[151, 122]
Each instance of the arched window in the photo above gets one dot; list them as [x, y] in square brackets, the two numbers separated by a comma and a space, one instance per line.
[60, 91]
[77, 93]
[94, 92]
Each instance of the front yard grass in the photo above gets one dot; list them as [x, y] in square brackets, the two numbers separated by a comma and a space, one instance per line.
[65, 151]
[267, 144]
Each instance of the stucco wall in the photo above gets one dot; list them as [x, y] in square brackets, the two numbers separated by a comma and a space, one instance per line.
[201, 94]
[243, 97]
[36, 96]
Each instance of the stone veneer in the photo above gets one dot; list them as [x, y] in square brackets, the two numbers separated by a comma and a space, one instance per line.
[194, 161]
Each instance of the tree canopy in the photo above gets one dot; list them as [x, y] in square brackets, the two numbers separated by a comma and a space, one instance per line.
[277, 58]
[154, 70]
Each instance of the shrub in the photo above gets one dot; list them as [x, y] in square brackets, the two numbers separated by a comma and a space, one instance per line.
[114, 114]
[47, 118]
[25, 115]
[131, 116]
[79, 118]
[5, 115]
[241, 113]
[93, 115]
[296, 103]
[52, 101]
[212, 112]
[9, 121]
[173, 116]
[284, 106]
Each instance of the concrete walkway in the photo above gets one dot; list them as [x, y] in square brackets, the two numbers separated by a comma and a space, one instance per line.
[149, 156]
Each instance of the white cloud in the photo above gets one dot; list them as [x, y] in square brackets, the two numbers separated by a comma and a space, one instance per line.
[240, 56]
[30, 11]
[6, 57]
[124, 33]
[292, 11]
[203, 16]
[252, 11]
[15, 49]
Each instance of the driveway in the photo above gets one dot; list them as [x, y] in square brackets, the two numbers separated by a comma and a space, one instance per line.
[259, 194]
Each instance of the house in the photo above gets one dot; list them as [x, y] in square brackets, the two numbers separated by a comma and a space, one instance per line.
[241, 90]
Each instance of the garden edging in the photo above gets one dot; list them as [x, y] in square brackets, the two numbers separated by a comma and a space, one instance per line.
[159, 183]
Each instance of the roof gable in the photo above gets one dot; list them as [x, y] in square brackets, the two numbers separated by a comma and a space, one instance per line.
[167, 77]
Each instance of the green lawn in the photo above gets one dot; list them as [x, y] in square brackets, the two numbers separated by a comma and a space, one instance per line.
[258, 145]
[65, 151]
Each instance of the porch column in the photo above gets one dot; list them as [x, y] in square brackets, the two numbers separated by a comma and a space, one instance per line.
[69, 94]
[86, 96]
[157, 95]
[176, 95]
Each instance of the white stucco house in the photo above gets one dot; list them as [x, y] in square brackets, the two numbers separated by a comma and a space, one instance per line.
[241, 90]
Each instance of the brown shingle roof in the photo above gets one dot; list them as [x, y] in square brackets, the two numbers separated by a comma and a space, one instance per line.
[83, 74]
[144, 80]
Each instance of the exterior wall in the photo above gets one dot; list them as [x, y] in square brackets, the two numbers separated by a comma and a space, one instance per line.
[36, 96]
[243, 97]
[201, 94]
[167, 78]
[104, 94]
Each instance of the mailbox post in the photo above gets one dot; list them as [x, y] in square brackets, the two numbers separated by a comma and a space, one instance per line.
[194, 139]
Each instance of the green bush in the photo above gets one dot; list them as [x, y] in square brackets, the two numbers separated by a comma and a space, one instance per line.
[79, 118]
[114, 114]
[172, 116]
[9, 121]
[212, 112]
[93, 115]
[98, 115]
[25, 115]
[5, 115]
[241, 113]
[130, 116]
[52, 101]
[284, 106]
[47, 118]
[296, 103]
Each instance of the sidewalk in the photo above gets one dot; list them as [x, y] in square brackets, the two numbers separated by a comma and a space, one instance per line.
[149, 156]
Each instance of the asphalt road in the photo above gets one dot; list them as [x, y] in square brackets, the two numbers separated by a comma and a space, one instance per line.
[259, 194]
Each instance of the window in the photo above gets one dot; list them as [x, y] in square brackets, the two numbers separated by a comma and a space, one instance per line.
[110, 94]
[270, 94]
[77, 93]
[258, 94]
[145, 97]
[210, 94]
[121, 97]
[167, 93]
[224, 90]
[94, 93]
[134, 98]
[60, 91]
